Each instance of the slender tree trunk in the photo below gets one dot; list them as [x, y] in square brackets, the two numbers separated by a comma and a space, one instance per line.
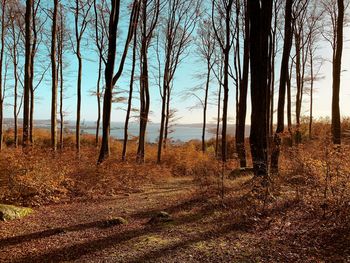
[34, 46]
[242, 109]
[98, 97]
[311, 93]
[54, 79]
[164, 104]
[128, 111]
[284, 75]
[167, 119]
[27, 72]
[3, 6]
[15, 93]
[218, 123]
[144, 83]
[336, 122]
[205, 106]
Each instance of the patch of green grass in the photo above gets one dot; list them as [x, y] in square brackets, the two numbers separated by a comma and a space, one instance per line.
[11, 212]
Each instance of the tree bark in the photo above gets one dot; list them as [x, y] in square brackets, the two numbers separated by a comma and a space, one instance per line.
[242, 104]
[336, 122]
[3, 6]
[109, 71]
[27, 73]
[54, 78]
[260, 15]
[128, 111]
[284, 75]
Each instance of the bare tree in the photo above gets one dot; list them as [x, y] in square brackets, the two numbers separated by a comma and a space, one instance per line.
[180, 21]
[107, 102]
[284, 75]
[15, 30]
[222, 14]
[131, 89]
[3, 30]
[149, 14]
[54, 77]
[27, 72]
[101, 35]
[206, 50]
[242, 81]
[81, 20]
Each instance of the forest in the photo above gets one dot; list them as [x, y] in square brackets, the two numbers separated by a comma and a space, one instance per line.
[267, 179]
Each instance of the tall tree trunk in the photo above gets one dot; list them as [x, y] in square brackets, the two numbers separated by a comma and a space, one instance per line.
[167, 119]
[144, 79]
[164, 103]
[242, 108]
[27, 72]
[336, 123]
[218, 122]
[77, 126]
[98, 98]
[109, 71]
[128, 111]
[3, 6]
[284, 75]
[225, 86]
[54, 78]
[311, 93]
[206, 93]
[32, 57]
[260, 14]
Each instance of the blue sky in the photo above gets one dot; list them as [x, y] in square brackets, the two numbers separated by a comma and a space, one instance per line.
[184, 80]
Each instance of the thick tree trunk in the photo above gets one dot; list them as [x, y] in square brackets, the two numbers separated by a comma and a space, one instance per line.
[284, 75]
[336, 122]
[260, 20]
[218, 123]
[27, 73]
[54, 79]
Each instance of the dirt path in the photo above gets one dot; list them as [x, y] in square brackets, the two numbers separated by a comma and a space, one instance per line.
[77, 231]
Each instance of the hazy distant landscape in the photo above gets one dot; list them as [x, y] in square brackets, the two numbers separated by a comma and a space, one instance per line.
[180, 132]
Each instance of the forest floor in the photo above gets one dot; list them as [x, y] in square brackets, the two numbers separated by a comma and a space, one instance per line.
[204, 228]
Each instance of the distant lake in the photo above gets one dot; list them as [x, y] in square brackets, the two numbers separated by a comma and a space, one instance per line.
[179, 132]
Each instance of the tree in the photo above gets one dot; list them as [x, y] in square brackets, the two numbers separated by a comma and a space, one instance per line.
[260, 14]
[206, 51]
[107, 102]
[81, 20]
[37, 28]
[223, 12]
[337, 56]
[149, 14]
[15, 30]
[180, 21]
[131, 89]
[284, 75]
[27, 72]
[242, 88]
[54, 77]
[100, 39]
[3, 28]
